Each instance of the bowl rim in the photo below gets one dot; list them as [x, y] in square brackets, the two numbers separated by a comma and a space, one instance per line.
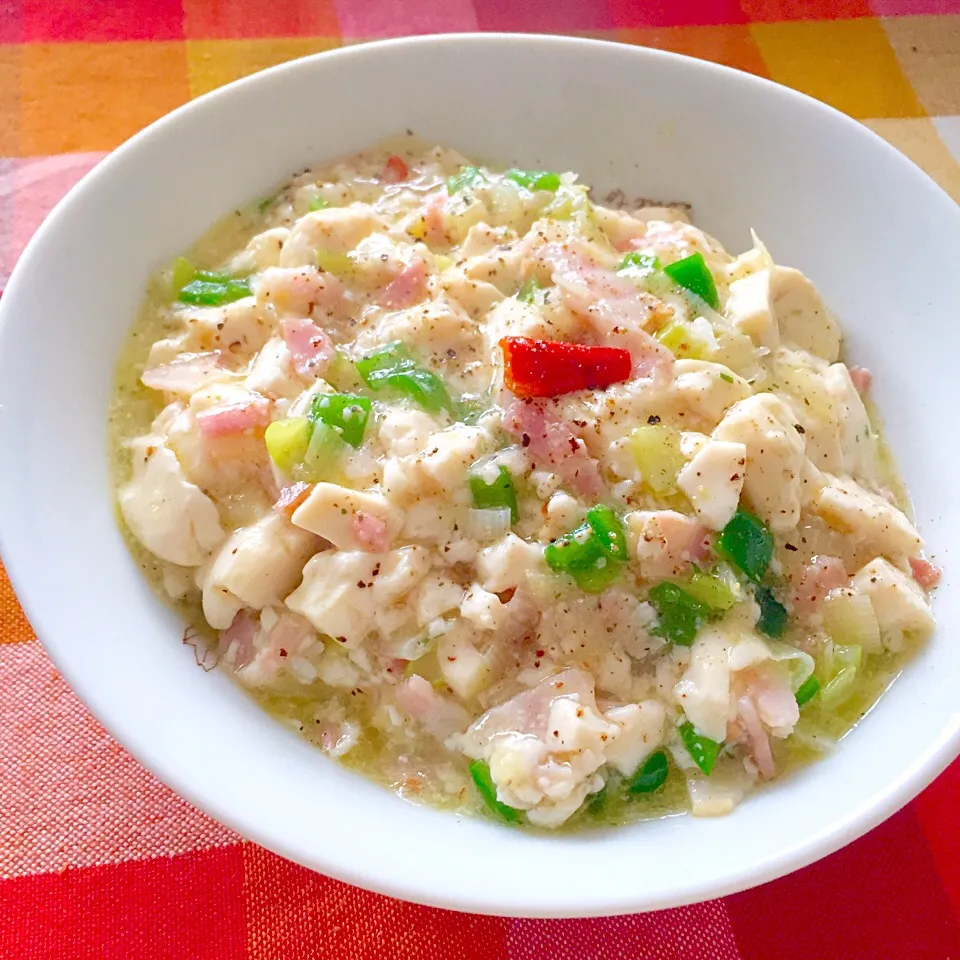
[941, 751]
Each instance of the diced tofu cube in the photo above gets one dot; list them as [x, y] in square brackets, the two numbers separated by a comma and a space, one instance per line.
[484, 609]
[764, 424]
[898, 602]
[272, 373]
[256, 567]
[750, 309]
[464, 668]
[858, 443]
[802, 315]
[337, 514]
[336, 229]
[867, 517]
[708, 389]
[712, 481]
[507, 562]
[170, 516]
[641, 731]
[436, 596]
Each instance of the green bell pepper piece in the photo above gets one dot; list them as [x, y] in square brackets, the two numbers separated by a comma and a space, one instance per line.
[651, 776]
[693, 274]
[213, 289]
[608, 530]
[703, 750]
[535, 179]
[773, 614]
[501, 494]
[807, 690]
[748, 544]
[582, 555]
[347, 413]
[528, 292]
[679, 613]
[393, 367]
[487, 789]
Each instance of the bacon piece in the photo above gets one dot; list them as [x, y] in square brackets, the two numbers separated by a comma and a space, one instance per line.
[291, 497]
[862, 378]
[924, 572]
[408, 287]
[186, 373]
[821, 576]
[309, 346]
[550, 441]
[230, 419]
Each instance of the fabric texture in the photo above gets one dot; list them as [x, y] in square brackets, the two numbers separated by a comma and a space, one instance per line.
[98, 860]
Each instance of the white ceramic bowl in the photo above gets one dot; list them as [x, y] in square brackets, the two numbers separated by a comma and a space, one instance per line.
[877, 236]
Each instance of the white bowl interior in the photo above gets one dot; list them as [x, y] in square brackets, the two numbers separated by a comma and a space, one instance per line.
[872, 231]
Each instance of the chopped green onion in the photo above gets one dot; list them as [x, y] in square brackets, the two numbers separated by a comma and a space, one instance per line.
[583, 555]
[711, 590]
[500, 494]
[747, 543]
[487, 789]
[322, 458]
[679, 614]
[317, 203]
[535, 179]
[466, 178]
[214, 293]
[638, 266]
[342, 373]
[651, 776]
[773, 614]
[347, 413]
[181, 273]
[337, 264]
[703, 750]
[693, 274]
[840, 686]
[656, 448]
[597, 803]
[287, 441]
[264, 203]
[393, 367]
[608, 530]
[850, 618]
[807, 690]
[528, 292]
[726, 378]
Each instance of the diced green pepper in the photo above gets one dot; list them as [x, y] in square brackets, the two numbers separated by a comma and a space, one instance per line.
[703, 750]
[693, 274]
[528, 292]
[500, 494]
[287, 441]
[466, 178]
[747, 543]
[487, 789]
[322, 457]
[651, 776]
[214, 293]
[679, 614]
[710, 590]
[393, 367]
[807, 690]
[535, 179]
[345, 412]
[582, 555]
[638, 266]
[608, 529]
[773, 614]
[317, 203]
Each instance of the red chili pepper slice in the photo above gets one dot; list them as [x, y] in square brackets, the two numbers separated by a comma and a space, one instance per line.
[547, 368]
[395, 169]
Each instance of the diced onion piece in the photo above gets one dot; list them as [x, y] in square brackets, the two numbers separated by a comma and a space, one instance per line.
[489, 524]
[657, 451]
[849, 618]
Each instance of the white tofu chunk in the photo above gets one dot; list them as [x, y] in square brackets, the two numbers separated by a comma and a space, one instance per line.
[256, 567]
[764, 424]
[703, 692]
[507, 562]
[335, 229]
[272, 373]
[338, 514]
[712, 481]
[897, 601]
[641, 731]
[867, 517]
[484, 609]
[464, 668]
[170, 516]
[802, 316]
[750, 309]
[708, 389]
[858, 443]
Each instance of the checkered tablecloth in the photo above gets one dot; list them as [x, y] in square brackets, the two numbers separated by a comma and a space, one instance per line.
[98, 860]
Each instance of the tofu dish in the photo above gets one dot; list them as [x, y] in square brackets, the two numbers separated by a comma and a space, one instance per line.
[522, 504]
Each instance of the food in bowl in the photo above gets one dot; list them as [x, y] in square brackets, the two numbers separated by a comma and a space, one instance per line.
[515, 501]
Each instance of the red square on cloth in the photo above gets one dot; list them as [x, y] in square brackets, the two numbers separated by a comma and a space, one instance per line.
[256, 19]
[366, 19]
[557, 16]
[49, 21]
[189, 907]
[675, 13]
